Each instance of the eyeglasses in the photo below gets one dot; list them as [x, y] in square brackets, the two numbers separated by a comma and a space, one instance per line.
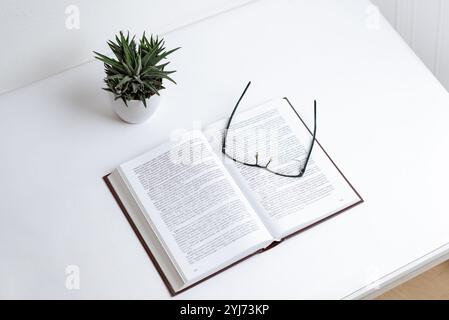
[268, 165]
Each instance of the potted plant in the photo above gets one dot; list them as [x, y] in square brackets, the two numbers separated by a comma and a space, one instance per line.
[135, 75]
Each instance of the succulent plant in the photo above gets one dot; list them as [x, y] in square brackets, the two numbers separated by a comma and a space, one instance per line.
[138, 70]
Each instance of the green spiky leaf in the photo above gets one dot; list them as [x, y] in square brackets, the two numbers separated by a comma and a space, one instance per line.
[135, 72]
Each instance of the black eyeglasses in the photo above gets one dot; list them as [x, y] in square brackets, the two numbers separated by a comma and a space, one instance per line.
[266, 166]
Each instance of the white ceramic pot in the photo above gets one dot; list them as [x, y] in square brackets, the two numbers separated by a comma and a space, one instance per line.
[135, 112]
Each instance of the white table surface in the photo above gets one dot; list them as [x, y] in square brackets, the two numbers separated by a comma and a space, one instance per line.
[382, 117]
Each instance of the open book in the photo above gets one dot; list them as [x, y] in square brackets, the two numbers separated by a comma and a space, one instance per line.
[197, 213]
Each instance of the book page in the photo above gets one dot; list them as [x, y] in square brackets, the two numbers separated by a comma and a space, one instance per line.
[275, 134]
[198, 212]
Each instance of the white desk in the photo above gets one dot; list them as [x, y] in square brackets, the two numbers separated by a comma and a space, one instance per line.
[382, 117]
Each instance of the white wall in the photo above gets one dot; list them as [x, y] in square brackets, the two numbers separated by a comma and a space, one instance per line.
[36, 42]
[424, 24]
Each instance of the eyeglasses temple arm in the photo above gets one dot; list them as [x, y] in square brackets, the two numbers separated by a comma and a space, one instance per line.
[313, 140]
[225, 134]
